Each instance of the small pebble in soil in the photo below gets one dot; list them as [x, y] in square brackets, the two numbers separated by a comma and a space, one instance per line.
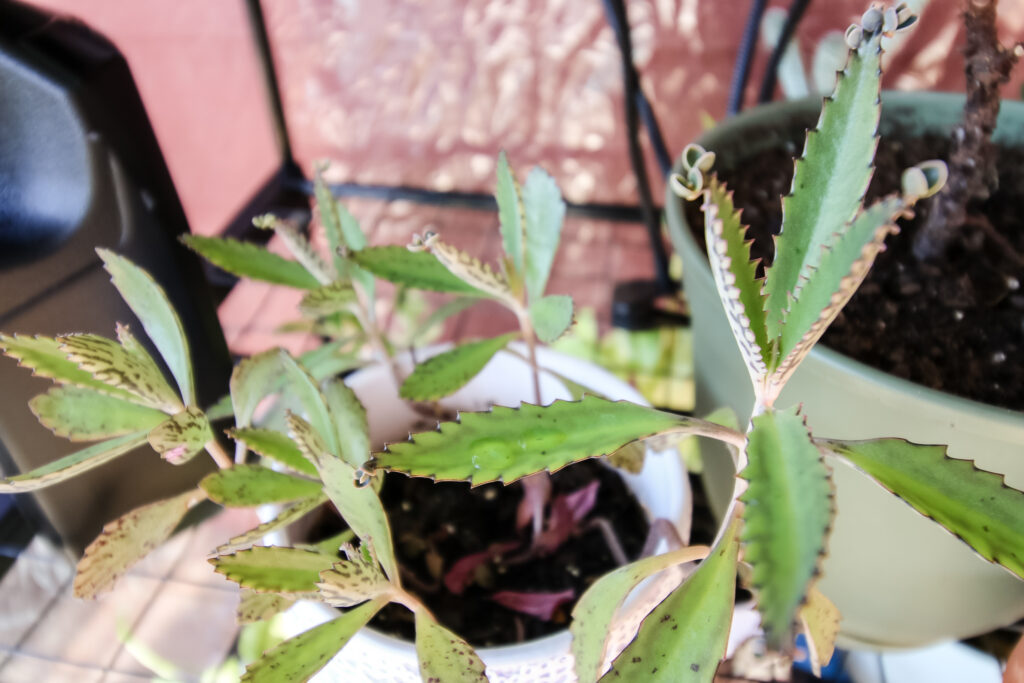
[998, 357]
[958, 315]
[1012, 284]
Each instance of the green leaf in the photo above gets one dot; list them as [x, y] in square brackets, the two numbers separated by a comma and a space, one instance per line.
[350, 423]
[298, 658]
[684, 638]
[545, 213]
[448, 372]
[788, 513]
[355, 238]
[511, 213]
[72, 465]
[736, 278]
[248, 485]
[273, 570]
[245, 259]
[327, 205]
[507, 444]
[440, 314]
[44, 356]
[975, 505]
[304, 252]
[551, 316]
[285, 517]
[274, 445]
[443, 655]
[596, 608]
[328, 360]
[350, 582]
[180, 438]
[221, 410]
[418, 269]
[128, 539]
[332, 298]
[133, 371]
[253, 606]
[151, 306]
[85, 415]
[830, 179]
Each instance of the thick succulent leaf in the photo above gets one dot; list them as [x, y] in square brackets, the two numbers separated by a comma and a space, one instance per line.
[72, 465]
[975, 505]
[511, 213]
[509, 443]
[248, 485]
[469, 269]
[787, 516]
[350, 582]
[684, 638]
[276, 446]
[332, 298]
[128, 539]
[443, 655]
[820, 621]
[304, 252]
[551, 316]
[274, 570]
[248, 260]
[359, 506]
[285, 517]
[596, 608]
[82, 414]
[253, 606]
[180, 438]
[736, 278]
[448, 372]
[221, 410]
[297, 659]
[113, 364]
[830, 179]
[843, 266]
[545, 213]
[350, 422]
[417, 269]
[45, 357]
[149, 303]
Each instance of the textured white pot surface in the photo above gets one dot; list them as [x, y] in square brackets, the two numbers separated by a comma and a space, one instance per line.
[661, 488]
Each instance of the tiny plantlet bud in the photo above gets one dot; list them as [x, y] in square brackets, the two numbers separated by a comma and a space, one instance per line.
[872, 20]
[853, 36]
[680, 187]
[890, 21]
[362, 478]
[265, 222]
[914, 182]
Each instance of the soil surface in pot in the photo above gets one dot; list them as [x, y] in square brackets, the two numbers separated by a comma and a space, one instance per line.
[956, 326]
[436, 525]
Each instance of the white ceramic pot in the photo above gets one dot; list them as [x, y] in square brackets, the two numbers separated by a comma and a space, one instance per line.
[661, 488]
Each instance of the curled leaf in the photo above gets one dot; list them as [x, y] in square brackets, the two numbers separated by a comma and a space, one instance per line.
[540, 605]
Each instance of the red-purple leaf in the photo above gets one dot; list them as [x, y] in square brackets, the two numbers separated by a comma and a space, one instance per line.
[540, 605]
[567, 511]
[536, 492]
[459, 575]
[581, 502]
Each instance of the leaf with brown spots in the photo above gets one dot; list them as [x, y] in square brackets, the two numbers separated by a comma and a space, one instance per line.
[253, 606]
[81, 414]
[180, 438]
[820, 621]
[443, 655]
[133, 370]
[287, 516]
[249, 485]
[72, 465]
[274, 570]
[45, 358]
[274, 445]
[352, 581]
[127, 540]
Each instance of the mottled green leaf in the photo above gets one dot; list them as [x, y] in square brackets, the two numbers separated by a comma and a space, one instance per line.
[304, 252]
[418, 269]
[248, 485]
[545, 213]
[128, 539]
[149, 303]
[285, 517]
[448, 372]
[349, 422]
[253, 606]
[44, 356]
[350, 582]
[86, 415]
[787, 516]
[113, 364]
[274, 570]
[507, 444]
[72, 465]
[443, 655]
[596, 608]
[328, 299]
[551, 316]
[274, 445]
[245, 259]
[298, 658]
[830, 179]
[684, 638]
[180, 438]
[511, 213]
[468, 268]
[327, 205]
[975, 505]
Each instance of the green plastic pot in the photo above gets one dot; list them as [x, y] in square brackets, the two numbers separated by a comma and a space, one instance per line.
[899, 579]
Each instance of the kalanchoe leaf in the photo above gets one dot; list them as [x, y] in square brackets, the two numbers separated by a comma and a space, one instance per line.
[249, 485]
[248, 260]
[274, 570]
[302, 250]
[182, 437]
[540, 605]
[80, 414]
[459, 576]
[443, 655]
[684, 638]
[466, 268]
[350, 582]
[332, 298]
[274, 445]
[551, 316]
[819, 619]
[448, 372]
[285, 517]
[72, 465]
[924, 180]
[253, 606]
[128, 539]
[787, 517]
[45, 358]
[975, 505]
[327, 206]
[511, 213]
[150, 304]
[350, 422]
[596, 608]
[545, 213]
[297, 659]
[417, 269]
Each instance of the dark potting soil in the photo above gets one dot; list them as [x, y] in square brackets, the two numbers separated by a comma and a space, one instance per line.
[436, 524]
[958, 325]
